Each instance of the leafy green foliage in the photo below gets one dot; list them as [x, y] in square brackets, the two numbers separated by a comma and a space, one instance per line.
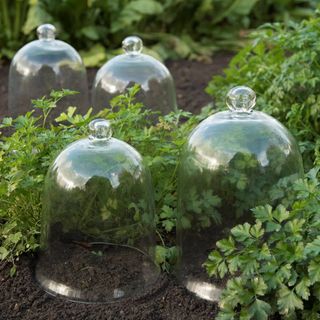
[24, 158]
[274, 263]
[282, 65]
[171, 28]
[245, 183]
[13, 14]
[26, 154]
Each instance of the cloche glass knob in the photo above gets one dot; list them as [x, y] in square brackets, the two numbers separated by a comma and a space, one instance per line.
[100, 129]
[132, 45]
[241, 99]
[46, 32]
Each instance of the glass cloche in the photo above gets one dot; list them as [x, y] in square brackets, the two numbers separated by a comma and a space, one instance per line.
[43, 65]
[98, 227]
[157, 90]
[232, 162]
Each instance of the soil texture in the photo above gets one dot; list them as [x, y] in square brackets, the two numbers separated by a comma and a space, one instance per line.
[22, 298]
[97, 272]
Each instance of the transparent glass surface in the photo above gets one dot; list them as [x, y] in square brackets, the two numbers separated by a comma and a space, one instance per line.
[43, 65]
[98, 230]
[157, 90]
[233, 161]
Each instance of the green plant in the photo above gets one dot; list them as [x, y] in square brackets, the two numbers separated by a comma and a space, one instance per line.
[170, 28]
[13, 14]
[282, 65]
[98, 209]
[27, 152]
[274, 263]
[24, 158]
[223, 173]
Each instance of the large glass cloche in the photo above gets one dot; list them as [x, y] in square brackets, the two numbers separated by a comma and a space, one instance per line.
[233, 161]
[98, 227]
[157, 90]
[43, 65]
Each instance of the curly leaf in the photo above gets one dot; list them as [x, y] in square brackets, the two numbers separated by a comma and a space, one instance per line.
[260, 310]
[313, 248]
[288, 301]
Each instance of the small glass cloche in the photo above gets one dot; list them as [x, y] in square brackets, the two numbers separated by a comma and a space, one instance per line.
[231, 163]
[157, 90]
[98, 227]
[43, 65]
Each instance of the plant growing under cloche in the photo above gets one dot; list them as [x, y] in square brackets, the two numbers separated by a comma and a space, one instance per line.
[98, 209]
[273, 262]
[232, 162]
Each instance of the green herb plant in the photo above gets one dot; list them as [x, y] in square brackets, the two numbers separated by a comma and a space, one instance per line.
[98, 211]
[31, 143]
[13, 14]
[25, 155]
[273, 264]
[171, 28]
[224, 193]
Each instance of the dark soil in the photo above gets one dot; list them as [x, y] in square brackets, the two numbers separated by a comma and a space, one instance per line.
[192, 77]
[98, 272]
[22, 298]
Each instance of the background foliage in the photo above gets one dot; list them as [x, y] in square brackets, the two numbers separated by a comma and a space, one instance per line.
[170, 28]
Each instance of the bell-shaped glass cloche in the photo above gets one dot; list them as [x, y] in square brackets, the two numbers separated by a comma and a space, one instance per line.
[157, 90]
[43, 65]
[233, 161]
[98, 227]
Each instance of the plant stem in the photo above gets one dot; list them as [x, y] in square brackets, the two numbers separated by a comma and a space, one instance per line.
[6, 19]
[161, 239]
[17, 20]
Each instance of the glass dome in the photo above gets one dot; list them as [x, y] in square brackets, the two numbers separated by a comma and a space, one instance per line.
[43, 65]
[157, 90]
[98, 228]
[231, 163]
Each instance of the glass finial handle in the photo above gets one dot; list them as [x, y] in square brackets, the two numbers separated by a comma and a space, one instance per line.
[100, 129]
[132, 45]
[241, 99]
[46, 32]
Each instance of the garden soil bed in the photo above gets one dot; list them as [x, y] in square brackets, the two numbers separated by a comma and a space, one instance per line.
[22, 298]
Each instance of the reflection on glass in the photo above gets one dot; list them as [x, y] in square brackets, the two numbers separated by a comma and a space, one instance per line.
[232, 162]
[133, 67]
[204, 290]
[44, 65]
